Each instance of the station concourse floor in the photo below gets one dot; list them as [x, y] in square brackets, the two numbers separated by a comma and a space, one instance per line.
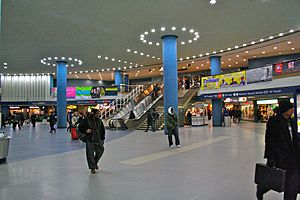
[214, 163]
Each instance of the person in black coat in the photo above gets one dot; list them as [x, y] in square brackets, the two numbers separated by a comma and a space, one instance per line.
[52, 121]
[94, 128]
[282, 149]
[33, 118]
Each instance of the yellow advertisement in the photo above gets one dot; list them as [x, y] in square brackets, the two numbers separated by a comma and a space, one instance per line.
[224, 80]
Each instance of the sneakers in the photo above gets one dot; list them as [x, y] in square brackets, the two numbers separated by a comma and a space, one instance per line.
[178, 146]
[93, 171]
[171, 146]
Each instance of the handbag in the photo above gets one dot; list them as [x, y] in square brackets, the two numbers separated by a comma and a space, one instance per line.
[270, 178]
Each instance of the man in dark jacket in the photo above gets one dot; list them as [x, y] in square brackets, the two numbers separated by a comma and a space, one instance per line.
[52, 121]
[150, 120]
[282, 150]
[172, 127]
[94, 128]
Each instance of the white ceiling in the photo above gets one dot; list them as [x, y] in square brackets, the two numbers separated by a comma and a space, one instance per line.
[32, 30]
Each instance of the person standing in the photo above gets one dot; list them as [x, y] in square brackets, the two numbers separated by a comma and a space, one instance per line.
[150, 121]
[282, 149]
[189, 117]
[33, 119]
[94, 128]
[172, 127]
[52, 121]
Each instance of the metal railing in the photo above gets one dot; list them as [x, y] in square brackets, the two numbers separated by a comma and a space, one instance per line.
[118, 104]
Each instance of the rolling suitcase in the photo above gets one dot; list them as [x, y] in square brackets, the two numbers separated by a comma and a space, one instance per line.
[74, 134]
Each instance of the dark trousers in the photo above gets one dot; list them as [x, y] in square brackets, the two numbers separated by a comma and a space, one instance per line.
[175, 133]
[94, 151]
[152, 124]
[52, 127]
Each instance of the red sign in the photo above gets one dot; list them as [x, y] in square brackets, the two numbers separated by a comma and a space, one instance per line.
[219, 95]
[278, 68]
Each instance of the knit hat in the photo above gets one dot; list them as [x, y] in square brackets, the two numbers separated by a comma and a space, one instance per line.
[285, 105]
[171, 110]
[94, 110]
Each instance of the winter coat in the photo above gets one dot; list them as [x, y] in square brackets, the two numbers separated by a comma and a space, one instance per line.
[171, 121]
[97, 127]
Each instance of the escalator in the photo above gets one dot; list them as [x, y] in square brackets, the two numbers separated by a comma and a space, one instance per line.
[140, 105]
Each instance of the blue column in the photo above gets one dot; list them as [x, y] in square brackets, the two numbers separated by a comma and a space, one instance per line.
[5, 110]
[215, 65]
[215, 69]
[61, 77]
[169, 50]
[126, 82]
[118, 79]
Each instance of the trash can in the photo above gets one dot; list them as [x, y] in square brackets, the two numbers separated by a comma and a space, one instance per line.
[227, 121]
[4, 146]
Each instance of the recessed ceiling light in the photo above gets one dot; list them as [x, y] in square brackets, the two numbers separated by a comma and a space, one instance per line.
[254, 56]
[229, 59]
[196, 33]
[153, 56]
[146, 33]
[70, 58]
[261, 40]
[291, 31]
[181, 59]
[63, 58]
[292, 48]
[182, 43]
[195, 39]
[280, 53]
[236, 62]
[221, 50]
[128, 50]
[202, 65]
[229, 65]
[150, 43]
[222, 62]
[207, 54]
[153, 30]
[190, 41]
[244, 59]
[57, 58]
[157, 44]
[142, 54]
[4, 63]
[244, 45]
[173, 28]
[214, 52]
[274, 47]
[144, 41]
[135, 52]
[197, 67]
[113, 59]
[280, 34]
[194, 56]
[125, 61]
[183, 29]
[289, 42]
[187, 58]
[236, 47]
[106, 58]
[213, 2]
[253, 42]
[193, 62]
[237, 56]
[246, 51]
[200, 55]
[271, 37]
[228, 49]
[162, 28]
[5, 67]
[207, 62]
[142, 36]
[192, 31]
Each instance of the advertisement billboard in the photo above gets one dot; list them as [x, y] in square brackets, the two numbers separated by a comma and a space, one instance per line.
[259, 74]
[224, 80]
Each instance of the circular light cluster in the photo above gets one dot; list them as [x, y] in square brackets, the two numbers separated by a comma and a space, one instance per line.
[193, 35]
[52, 61]
[129, 64]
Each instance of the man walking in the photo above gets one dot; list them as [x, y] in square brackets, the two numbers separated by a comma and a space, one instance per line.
[282, 150]
[94, 129]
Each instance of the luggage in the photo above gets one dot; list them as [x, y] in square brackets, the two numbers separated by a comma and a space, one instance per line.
[270, 178]
[74, 134]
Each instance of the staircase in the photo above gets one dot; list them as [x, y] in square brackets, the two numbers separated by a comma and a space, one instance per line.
[159, 123]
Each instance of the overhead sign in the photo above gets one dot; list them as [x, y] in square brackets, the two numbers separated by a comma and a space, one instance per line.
[285, 90]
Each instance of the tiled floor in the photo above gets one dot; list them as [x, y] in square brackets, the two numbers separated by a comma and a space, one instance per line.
[213, 164]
